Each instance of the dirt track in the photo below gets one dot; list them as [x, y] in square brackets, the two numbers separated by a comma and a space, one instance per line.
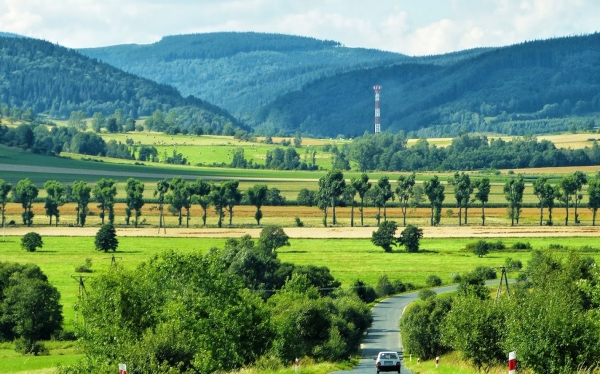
[325, 232]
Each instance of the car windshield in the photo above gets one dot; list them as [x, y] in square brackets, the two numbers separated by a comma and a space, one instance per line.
[388, 356]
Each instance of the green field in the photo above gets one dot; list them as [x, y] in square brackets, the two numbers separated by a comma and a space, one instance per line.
[348, 259]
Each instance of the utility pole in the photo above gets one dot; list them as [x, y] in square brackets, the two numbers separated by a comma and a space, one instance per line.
[82, 292]
[504, 277]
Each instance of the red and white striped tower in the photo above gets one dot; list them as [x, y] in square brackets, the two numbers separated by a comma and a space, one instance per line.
[377, 111]
[512, 362]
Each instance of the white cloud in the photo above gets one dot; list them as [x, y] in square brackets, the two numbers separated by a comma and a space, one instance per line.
[413, 27]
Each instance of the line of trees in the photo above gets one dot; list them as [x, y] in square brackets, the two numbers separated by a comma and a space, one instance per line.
[334, 191]
[385, 151]
[178, 193]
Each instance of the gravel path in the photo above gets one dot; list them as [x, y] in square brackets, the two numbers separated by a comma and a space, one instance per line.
[323, 232]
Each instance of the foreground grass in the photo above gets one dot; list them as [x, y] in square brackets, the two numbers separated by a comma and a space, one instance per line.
[60, 354]
[449, 364]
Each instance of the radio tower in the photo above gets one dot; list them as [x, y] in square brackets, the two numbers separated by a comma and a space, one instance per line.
[377, 112]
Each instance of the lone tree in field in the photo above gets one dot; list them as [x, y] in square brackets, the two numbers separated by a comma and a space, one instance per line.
[31, 241]
[594, 198]
[134, 190]
[410, 237]
[257, 196]
[435, 193]
[482, 194]
[513, 192]
[162, 187]
[104, 193]
[580, 180]
[25, 193]
[383, 195]
[4, 191]
[384, 236]
[462, 192]
[544, 192]
[106, 238]
[81, 194]
[362, 186]
[180, 198]
[567, 187]
[55, 197]
[202, 196]
[232, 196]
[405, 192]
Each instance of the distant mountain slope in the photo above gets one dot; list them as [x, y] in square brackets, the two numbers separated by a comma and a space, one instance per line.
[56, 80]
[10, 35]
[524, 85]
[242, 71]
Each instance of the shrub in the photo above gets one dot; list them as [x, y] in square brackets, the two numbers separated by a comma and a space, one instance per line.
[27, 347]
[427, 293]
[31, 241]
[456, 278]
[299, 223]
[433, 281]
[85, 268]
[485, 272]
[497, 246]
[399, 287]
[384, 286]
[482, 248]
[364, 291]
[513, 265]
[410, 237]
[556, 246]
[521, 245]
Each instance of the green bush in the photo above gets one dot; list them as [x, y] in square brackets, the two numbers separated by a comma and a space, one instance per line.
[31, 241]
[427, 293]
[433, 281]
[485, 272]
[28, 347]
[384, 286]
[521, 245]
[399, 287]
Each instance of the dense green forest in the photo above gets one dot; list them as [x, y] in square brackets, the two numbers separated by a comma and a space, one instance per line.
[51, 79]
[242, 71]
[528, 85]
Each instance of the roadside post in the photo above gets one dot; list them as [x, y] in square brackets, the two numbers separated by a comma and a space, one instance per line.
[122, 369]
[296, 365]
[437, 362]
[512, 362]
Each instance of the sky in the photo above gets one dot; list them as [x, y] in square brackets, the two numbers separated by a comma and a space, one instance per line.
[413, 27]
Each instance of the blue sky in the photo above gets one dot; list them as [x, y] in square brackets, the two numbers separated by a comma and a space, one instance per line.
[414, 27]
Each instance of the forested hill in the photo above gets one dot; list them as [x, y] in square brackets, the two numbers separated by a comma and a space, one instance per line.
[55, 80]
[242, 71]
[533, 87]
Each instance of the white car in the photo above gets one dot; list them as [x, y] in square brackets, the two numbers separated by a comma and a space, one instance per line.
[387, 361]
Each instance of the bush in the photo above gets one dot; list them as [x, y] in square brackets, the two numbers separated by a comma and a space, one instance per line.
[521, 245]
[556, 246]
[497, 246]
[27, 347]
[384, 286]
[85, 268]
[433, 281]
[399, 287]
[456, 278]
[299, 223]
[513, 265]
[31, 241]
[364, 291]
[485, 272]
[481, 248]
[427, 294]
[409, 238]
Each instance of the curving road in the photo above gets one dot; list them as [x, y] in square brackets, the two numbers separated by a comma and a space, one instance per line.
[384, 333]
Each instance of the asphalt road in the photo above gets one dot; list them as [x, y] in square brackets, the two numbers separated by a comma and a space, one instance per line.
[384, 333]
